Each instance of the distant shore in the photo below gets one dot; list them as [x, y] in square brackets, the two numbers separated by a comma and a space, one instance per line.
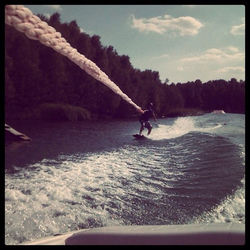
[57, 112]
[64, 112]
[185, 112]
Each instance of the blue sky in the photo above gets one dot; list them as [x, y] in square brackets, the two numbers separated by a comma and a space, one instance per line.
[182, 42]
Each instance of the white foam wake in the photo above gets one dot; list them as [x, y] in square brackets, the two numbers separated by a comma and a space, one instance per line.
[181, 126]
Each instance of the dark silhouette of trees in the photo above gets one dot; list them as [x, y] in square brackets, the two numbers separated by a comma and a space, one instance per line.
[36, 74]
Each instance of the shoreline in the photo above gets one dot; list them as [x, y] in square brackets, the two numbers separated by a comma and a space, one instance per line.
[56, 112]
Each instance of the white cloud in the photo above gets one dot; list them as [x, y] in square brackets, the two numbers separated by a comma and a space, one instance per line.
[238, 30]
[233, 70]
[161, 56]
[183, 26]
[180, 68]
[233, 49]
[229, 72]
[214, 63]
[54, 7]
[214, 55]
[47, 15]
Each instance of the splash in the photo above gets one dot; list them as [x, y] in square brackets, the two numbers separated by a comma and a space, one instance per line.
[22, 19]
[181, 126]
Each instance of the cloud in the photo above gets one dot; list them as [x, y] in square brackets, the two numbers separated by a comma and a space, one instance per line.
[47, 15]
[180, 68]
[161, 56]
[233, 70]
[233, 49]
[51, 8]
[228, 54]
[214, 63]
[238, 30]
[54, 7]
[183, 26]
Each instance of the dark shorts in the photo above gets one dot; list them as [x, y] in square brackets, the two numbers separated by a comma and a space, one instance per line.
[145, 123]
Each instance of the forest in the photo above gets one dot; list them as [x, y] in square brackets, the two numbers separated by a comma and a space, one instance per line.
[42, 84]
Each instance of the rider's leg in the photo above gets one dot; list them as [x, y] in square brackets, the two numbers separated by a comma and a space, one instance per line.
[149, 127]
[141, 129]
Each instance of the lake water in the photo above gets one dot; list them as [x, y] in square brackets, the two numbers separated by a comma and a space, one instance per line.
[92, 174]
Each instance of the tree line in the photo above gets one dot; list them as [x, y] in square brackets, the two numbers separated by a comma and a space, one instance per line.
[36, 74]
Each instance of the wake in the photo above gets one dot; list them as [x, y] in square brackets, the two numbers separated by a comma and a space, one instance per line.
[182, 126]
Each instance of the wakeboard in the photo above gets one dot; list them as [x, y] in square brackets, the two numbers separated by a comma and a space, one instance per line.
[137, 136]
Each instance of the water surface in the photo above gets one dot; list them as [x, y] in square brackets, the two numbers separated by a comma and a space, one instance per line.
[91, 174]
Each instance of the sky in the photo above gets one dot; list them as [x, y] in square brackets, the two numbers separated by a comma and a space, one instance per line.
[182, 42]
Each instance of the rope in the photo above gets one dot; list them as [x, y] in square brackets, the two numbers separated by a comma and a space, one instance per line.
[22, 19]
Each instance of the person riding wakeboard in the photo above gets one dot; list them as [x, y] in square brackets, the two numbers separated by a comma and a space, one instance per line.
[144, 118]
